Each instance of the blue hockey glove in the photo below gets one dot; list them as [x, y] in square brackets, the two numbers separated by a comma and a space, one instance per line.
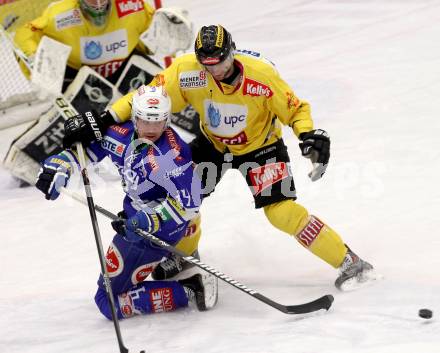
[315, 145]
[53, 175]
[143, 220]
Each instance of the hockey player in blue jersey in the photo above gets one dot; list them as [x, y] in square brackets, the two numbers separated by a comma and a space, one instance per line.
[162, 197]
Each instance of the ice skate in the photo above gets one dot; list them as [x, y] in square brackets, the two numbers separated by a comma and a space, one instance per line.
[201, 290]
[172, 266]
[354, 273]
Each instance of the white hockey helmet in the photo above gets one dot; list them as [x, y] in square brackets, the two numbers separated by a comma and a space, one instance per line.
[151, 103]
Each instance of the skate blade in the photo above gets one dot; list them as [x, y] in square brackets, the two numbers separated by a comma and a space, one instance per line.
[364, 279]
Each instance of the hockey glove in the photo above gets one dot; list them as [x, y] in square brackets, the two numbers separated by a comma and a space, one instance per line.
[53, 175]
[86, 128]
[119, 224]
[315, 145]
[145, 221]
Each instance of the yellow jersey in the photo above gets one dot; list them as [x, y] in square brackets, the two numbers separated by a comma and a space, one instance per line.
[239, 118]
[103, 48]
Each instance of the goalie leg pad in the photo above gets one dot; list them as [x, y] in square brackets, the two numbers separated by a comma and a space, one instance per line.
[293, 219]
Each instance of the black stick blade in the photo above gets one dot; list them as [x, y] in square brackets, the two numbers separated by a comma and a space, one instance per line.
[324, 302]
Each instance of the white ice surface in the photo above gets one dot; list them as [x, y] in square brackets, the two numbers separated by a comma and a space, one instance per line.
[371, 71]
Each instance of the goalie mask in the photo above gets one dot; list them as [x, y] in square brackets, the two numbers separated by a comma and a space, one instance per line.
[151, 105]
[96, 11]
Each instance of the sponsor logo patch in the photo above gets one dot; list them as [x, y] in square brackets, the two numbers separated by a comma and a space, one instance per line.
[153, 101]
[193, 79]
[248, 53]
[108, 68]
[114, 261]
[225, 120]
[256, 89]
[162, 300]
[267, 175]
[239, 139]
[292, 101]
[123, 131]
[126, 305]
[142, 272]
[190, 230]
[152, 160]
[127, 7]
[113, 146]
[159, 80]
[173, 144]
[311, 231]
[68, 19]
[105, 48]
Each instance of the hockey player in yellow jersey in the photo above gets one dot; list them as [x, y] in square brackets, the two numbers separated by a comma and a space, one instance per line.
[102, 33]
[243, 102]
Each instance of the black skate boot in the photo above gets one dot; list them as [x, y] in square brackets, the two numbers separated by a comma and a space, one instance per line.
[201, 290]
[354, 272]
[172, 266]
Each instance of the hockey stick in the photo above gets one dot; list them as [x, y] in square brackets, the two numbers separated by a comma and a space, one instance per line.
[107, 283]
[323, 302]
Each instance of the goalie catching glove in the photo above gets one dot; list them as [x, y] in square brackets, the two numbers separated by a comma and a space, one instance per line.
[53, 175]
[86, 128]
[315, 145]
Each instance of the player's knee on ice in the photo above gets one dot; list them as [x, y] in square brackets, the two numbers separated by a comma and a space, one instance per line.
[144, 298]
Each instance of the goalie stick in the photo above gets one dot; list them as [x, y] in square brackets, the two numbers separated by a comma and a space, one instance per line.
[323, 302]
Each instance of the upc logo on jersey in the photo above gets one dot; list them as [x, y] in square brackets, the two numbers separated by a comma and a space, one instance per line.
[107, 47]
[93, 50]
[127, 7]
[225, 120]
[162, 300]
[114, 261]
[256, 89]
[267, 175]
[311, 231]
[113, 146]
[68, 19]
[193, 79]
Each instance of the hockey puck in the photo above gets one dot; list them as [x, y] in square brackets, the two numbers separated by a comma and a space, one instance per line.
[425, 313]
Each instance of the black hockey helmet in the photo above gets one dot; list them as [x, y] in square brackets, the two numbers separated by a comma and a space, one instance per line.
[213, 45]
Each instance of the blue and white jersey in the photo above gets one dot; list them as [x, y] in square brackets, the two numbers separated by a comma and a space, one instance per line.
[151, 174]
